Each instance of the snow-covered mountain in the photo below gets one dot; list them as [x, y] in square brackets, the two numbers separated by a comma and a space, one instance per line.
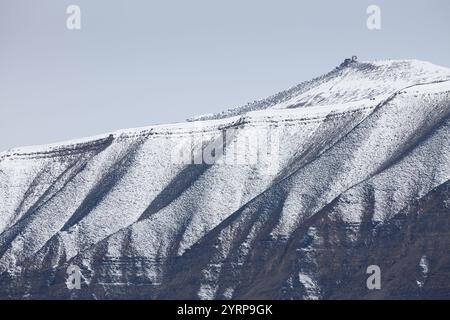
[291, 197]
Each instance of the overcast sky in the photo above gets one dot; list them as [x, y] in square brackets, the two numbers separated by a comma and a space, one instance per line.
[137, 63]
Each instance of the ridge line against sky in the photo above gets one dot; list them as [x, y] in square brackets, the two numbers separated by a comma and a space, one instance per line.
[146, 62]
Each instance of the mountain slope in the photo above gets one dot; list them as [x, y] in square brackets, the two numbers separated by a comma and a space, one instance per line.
[351, 81]
[348, 170]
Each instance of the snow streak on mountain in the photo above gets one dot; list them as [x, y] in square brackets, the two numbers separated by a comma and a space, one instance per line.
[359, 176]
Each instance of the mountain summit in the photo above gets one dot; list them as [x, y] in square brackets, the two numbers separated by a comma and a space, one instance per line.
[349, 82]
[290, 197]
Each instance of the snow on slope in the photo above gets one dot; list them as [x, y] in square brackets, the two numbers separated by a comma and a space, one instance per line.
[349, 82]
[118, 205]
[148, 171]
[364, 170]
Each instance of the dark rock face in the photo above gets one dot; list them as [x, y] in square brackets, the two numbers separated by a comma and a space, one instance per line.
[357, 184]
[397, 247]
[271, 271]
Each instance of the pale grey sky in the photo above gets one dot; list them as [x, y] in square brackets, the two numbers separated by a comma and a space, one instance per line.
[137, 63]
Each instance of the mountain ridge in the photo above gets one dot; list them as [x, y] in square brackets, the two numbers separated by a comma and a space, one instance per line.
[149, 129]
[140, 225]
